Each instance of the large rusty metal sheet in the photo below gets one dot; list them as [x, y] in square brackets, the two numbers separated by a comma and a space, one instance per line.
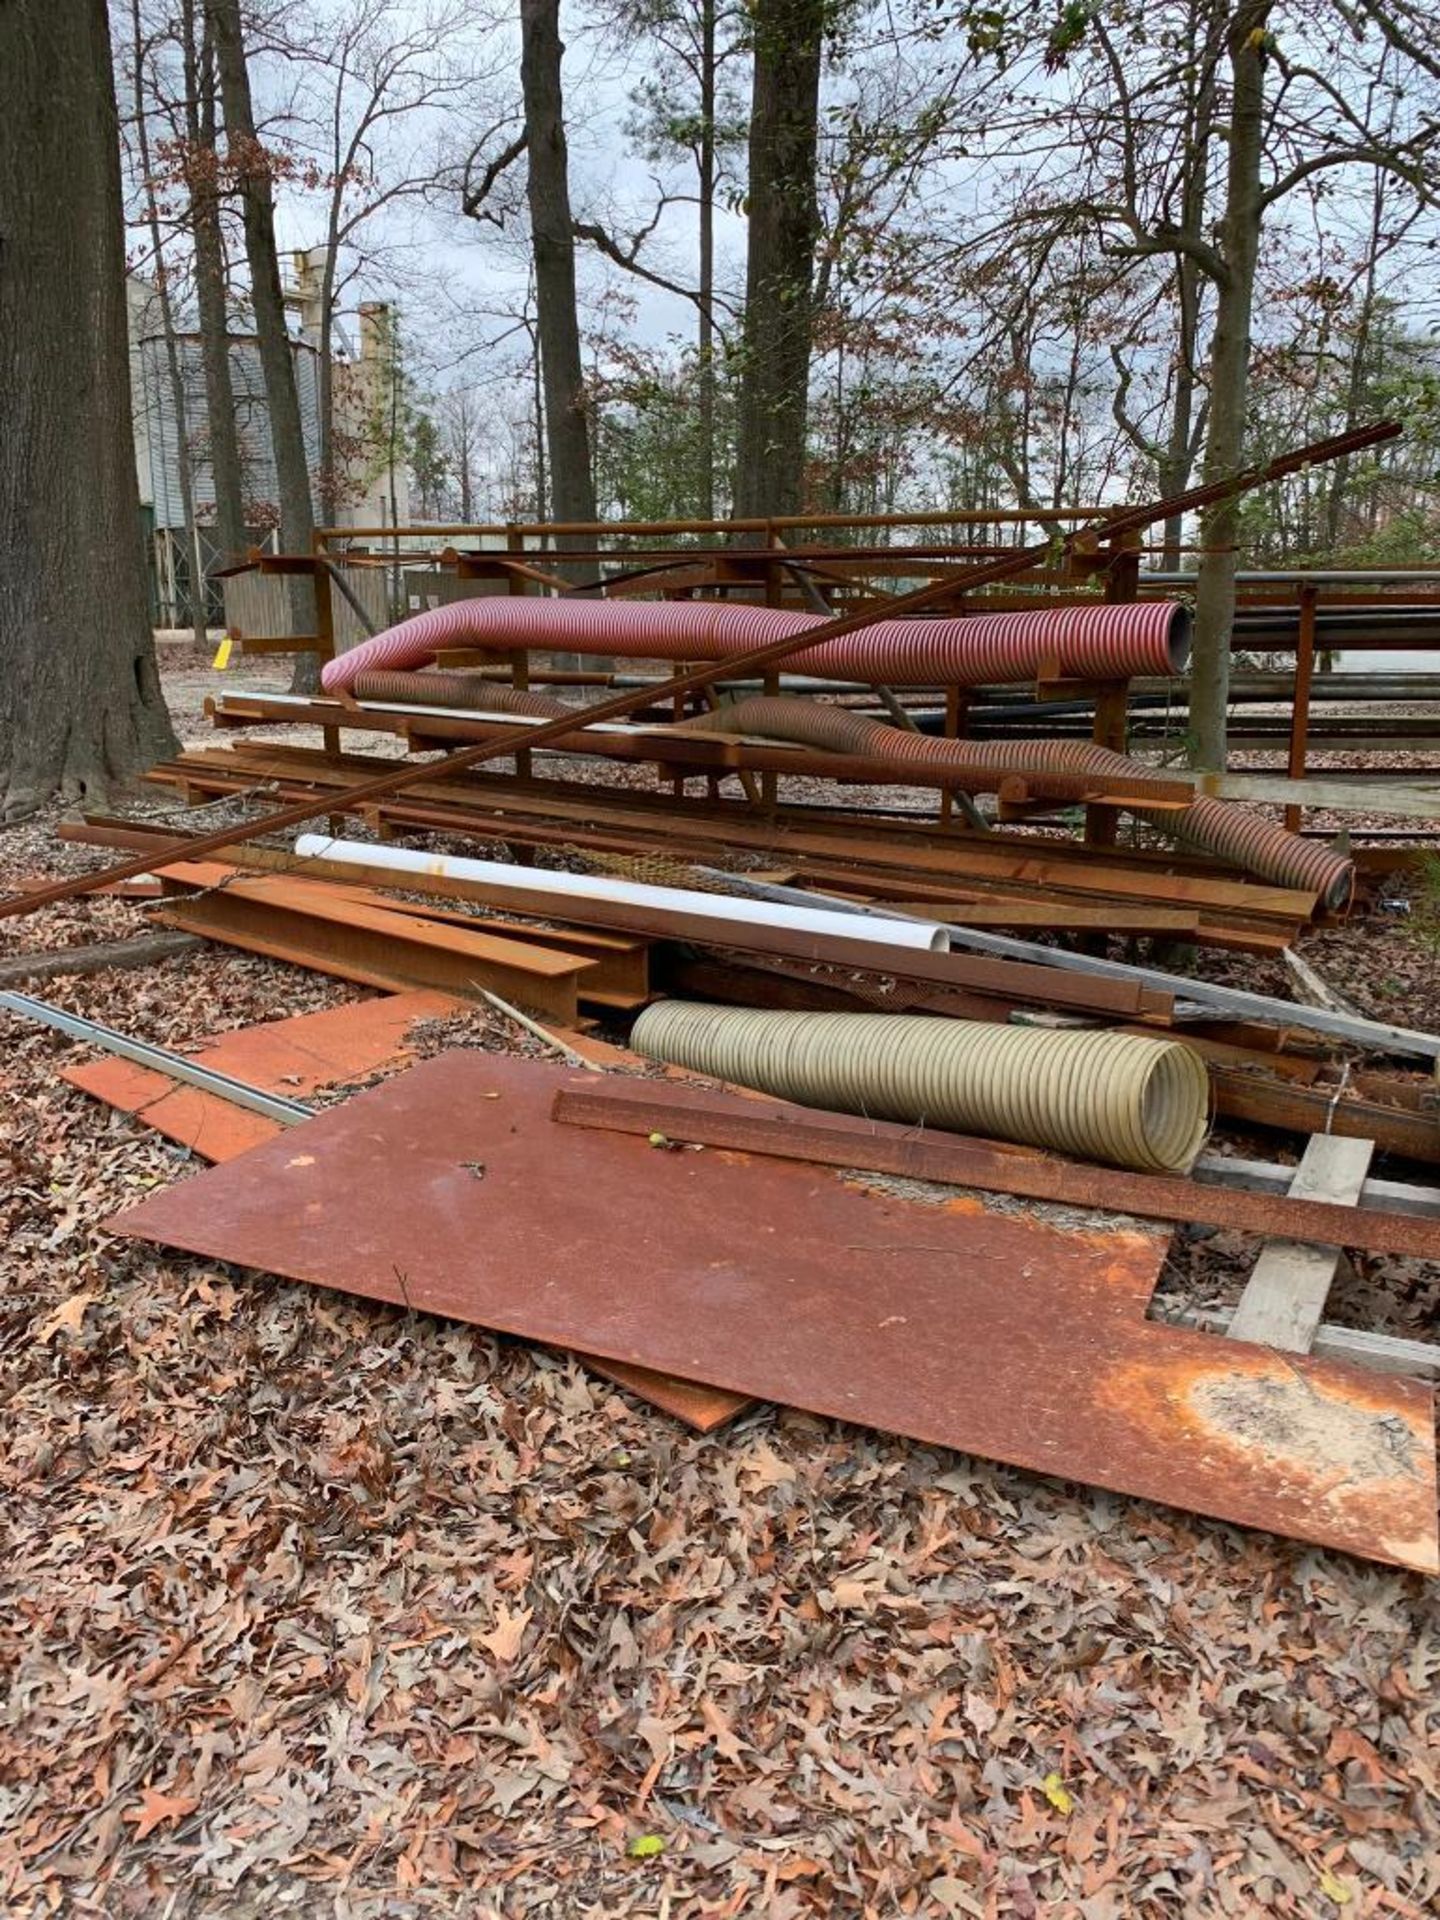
[301, 1055]
[451, 1188]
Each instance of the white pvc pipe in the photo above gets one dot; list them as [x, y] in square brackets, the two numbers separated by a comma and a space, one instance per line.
[502, 878]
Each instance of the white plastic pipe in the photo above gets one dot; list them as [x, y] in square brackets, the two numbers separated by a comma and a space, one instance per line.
[501, 878]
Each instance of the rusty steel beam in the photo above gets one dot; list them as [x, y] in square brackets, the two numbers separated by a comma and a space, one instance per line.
[861, 841]
[321, 927]
[712, 753]
[1121, 520]
[1258, 1100]
[835, 1140]
[887, 860]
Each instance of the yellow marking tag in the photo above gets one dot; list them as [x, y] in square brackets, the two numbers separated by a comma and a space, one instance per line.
[222, 654]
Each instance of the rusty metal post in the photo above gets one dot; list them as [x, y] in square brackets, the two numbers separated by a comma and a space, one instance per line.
[1112, 703]
[1300, 704]
[324, 627]
[953, 713]
[774, 594]
[677, 714]
[774, 566]
[323, 589]
[519, 659]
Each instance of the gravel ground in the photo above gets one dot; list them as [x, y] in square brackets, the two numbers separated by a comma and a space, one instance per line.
[312, 1605]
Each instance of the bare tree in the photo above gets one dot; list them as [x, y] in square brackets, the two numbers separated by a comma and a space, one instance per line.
[460, 435]
[686, 103]
[81, 711]
[1289, 123]
[251, 165]
[382, 71]
[140, 51]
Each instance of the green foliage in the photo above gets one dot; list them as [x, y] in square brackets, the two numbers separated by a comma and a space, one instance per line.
[649, 449]
[1067, 33]
[667, 117]
[1424, 922]
[1409, 538]
[1358, 362]
[429, 462]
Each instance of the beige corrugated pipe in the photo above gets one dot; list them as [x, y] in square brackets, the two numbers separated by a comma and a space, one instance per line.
[1114, 1097]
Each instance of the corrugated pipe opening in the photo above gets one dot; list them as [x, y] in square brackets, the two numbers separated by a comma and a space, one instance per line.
[1181, 636]
[1246, 839]
[1114, 1097]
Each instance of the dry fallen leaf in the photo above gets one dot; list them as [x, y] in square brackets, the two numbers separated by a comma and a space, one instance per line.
[69, 1315]
[505, 1636]
[1056, 1794]
[156, 1808]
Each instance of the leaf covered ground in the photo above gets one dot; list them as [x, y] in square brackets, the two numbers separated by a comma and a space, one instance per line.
[311, 1606]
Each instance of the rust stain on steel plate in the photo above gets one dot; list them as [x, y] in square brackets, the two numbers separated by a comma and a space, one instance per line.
[991, 1333]
[298, 1057]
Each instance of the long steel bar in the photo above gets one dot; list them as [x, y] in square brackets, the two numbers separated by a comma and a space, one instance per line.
[1376, 1034]
[895, 860]
[543, 529]
[877, 1147]
[141, 1053]
[1121, 521]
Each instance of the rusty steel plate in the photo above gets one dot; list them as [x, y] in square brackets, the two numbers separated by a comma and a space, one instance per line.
[301, 1055]
[294, 1057]
[451, 1189]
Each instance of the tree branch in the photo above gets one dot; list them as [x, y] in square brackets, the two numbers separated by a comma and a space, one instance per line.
[1388, 159]
[472, 199]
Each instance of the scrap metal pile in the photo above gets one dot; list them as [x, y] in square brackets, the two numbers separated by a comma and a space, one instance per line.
[857, 1077]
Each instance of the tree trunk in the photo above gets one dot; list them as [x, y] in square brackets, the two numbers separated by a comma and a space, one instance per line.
[572, 486]
[81, 711]
[706, 369]
[174, 373]
[784, 227]
[537, 418]
[1229, 385]
[1179, 455]
[325, 373]
[1176, 464]
[277, 360]
[210, 290]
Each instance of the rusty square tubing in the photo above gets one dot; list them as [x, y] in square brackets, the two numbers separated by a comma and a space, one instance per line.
[956, 1160]
[1123, 519]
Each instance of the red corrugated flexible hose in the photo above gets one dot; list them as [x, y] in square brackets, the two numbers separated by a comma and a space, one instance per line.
[1215, 826]
[457, 690]
[1246, 840]
[1100, 640]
